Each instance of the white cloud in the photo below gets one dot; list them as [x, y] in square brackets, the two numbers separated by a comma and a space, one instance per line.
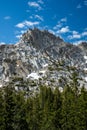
[7, 17]
[84, 34]
[2, 43]
[51, 31]
[35, 5]
[19, 33]
[85, 2]
[39, 17]
[64, 19]
[18, 36]
[64, 30]
[20, 25]
[74, 36]
[40, 1]
[27, 24]
[23, 31]
[79, 6]
[59, 25]
[74, 32]
[61, 22]
[77, 35]
[31, 17]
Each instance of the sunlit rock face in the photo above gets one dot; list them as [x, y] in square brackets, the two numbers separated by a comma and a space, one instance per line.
[43, 57]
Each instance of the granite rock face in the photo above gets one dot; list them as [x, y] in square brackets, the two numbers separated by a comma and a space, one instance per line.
[42, 57]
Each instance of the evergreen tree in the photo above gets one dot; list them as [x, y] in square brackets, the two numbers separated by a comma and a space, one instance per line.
[9, 107]
[2, 110]
[82, 113]
[57, 106]
[29, 113]
[69, 110]
[20, 112]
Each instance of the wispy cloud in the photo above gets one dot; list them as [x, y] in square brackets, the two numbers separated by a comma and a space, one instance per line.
[27, 24]
[63, 20]
[18, 36]
[40, 1]
[82, 4]
[85, 29]
[74, 32]
[85, 2]
[36, 17]
[22, 31]
[64, 30]
[77, 35]
[7, 17]
[51, 31]
[35, 5]
[60, 23]
[74, 35]
[20, 25]
[39, 17]
[79, 6]
[19, 33]
[31, 17]
[84, 33]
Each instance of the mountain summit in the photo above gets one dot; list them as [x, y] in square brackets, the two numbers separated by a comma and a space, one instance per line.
[41, 57]
[40, 39]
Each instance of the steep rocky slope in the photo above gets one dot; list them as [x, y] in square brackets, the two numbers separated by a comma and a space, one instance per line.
[42, 57]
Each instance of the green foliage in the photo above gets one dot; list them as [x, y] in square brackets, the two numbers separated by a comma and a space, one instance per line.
[2, 111]
[47, 110]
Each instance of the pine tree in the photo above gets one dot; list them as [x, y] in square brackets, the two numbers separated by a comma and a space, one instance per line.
[47, 121]
[2, 111]
[9, 104]
[69, 110]
[82, 105]
[57, 106]
[20, 112]
[29, 113]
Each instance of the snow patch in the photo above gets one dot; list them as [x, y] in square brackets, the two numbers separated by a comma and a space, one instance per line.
[85, 57]
[0, 85]
[45, 65]
[33, 75]
[85, 78]
[85, 69]
[7, 79]
[42, 71]
[17, 65]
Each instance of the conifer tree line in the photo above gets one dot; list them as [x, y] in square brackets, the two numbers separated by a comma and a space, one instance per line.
[49, 109]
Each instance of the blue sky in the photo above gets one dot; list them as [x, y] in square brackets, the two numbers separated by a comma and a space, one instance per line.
[65, 18]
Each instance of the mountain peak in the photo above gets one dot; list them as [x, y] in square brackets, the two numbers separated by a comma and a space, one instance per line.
[40, 39]
[40, 54]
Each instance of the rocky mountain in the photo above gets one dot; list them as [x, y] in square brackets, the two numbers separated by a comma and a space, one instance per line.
[42, 58]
